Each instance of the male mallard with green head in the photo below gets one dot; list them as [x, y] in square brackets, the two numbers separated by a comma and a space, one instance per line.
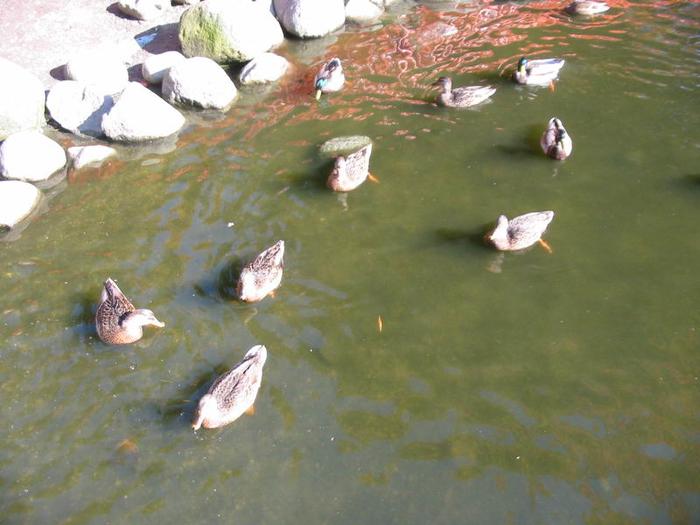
[521, 232]
[117, 321]
[556, 142]
[541, 72]
[329, 78]
[232, 393]
[461, 97]
[261, 277]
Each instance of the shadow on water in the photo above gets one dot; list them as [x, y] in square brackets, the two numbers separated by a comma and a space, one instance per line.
[82, 317]
[473, 237]
[222, 286]
[527, 146]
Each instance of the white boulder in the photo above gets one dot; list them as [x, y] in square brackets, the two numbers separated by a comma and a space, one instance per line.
[199, 81]
[81, 156]
[139, 114]
[103, 69]
[310, 18]
[30, 156]
[17, 200]
[227, 30]
[155, 67]
[143, 9]
[363, 10]
[21, 99]
[77, 107]
[267, 67]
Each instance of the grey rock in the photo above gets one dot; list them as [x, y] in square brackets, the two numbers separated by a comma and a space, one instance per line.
[201, 82]
[103, 69]
[155, 67]
[267, 67]
[227, 30]
[143, 9]
[139, 115]
[77, 107]
[310, 18]
[362, 10]
[17, 200]
[30, 156]
[344, 145]
[21, 99]
[81, 156]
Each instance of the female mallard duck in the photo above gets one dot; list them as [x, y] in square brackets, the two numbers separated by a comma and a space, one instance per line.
[587, 7]
[260, 277]
[555, 141]
[117, 321]
[351, 170]
[461, 97]
[537, 72]
[232, 393]
[521, 232]
[330, 78]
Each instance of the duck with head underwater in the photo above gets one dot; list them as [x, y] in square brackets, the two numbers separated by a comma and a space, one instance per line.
[556, 142]
[541, 72]
[117, 321]
[521, 232]
[587, 7]
[330, 78]
[263, 275]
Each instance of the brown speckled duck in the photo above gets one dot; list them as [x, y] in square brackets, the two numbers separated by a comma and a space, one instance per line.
[351, 170]
[522, 231]
[461, 97]
[261, 277]
[233, 393]
[117, 321]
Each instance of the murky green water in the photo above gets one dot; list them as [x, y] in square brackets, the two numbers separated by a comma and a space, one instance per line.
[519, 388]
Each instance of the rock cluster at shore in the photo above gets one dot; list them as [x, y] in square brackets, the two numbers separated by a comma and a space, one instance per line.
[97, 101]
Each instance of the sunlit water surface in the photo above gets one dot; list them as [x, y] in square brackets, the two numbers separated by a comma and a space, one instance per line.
[521, 388]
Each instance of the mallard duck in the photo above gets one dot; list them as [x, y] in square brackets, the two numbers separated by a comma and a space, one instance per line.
[260, 277]
[537, 72]
[117, 321]
[520, 232]
[351, 170]
[232, 393]
[330, 78]
[461, 97]
[555, 141]
[587, 7]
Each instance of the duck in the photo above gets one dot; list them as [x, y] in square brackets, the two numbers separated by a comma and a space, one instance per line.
[521, 232]
[351, 170]
[539, 72]
[330, 78]
[587, 7]
[263, 275]
[232, 393]
[461, 97]
[117, 321]
[556, 142]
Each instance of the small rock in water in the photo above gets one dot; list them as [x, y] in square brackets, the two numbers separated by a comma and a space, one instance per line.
[30, 156]
[17, 200]
[199, 81]
[78, 107]
[267, 67]
[344, 145]
[362, 10]
[82, 156]
[310, 18]
[155, 67]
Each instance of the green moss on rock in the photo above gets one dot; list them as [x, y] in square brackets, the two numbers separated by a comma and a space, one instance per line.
[201, 35]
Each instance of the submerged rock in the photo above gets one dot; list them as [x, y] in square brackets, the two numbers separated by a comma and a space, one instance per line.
[142, 9]
[17, 200]
[81, 156]
[30, 156]
[102, 69]
[155, 67]
[228, 31]
[199, 81]
[344, 145]
[21, 99]
[363, 10]
[77, 107]
[267, 67]
[310, 18]
[139, 115]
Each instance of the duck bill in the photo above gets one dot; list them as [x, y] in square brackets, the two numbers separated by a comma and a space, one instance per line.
[318, 94]
[159, 324]
[197, 423]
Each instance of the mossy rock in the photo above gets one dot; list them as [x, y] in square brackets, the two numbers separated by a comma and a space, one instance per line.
[340, 146]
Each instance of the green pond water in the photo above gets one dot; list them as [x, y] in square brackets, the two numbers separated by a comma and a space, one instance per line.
[522, 388]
